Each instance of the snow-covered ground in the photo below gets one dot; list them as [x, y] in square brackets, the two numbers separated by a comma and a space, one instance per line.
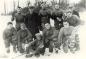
[61, 55]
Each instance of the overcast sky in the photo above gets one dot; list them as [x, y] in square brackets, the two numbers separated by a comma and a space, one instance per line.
[9, 4]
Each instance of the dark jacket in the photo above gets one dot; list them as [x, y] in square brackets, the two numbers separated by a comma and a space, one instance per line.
[9, 34]
[33, 23]
[57, 13]
[45, 16]
[76, 13]
[19, 18]
[24, 36]
[49, 35]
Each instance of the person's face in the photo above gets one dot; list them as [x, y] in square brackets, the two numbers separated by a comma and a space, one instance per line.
[47, 26]
[65, 14]
[43, 6]
[69, 14]
[10, 26]
[31, 11]
[56, 7]
[38, 37]
[66, 24]
[22, 26]
[18, 10]
[72, 44]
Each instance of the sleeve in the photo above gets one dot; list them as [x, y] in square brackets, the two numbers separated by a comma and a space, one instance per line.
[41, 45]
[52, 15]
[44, 32]
[76, 13]
[13, 17]
[60, 36]
[55, 34]
[4, 35]
[77, 20]
[18, 38]
[29, 36]
[39, 12]
[18, 35]
[32, 43]
[14, 34]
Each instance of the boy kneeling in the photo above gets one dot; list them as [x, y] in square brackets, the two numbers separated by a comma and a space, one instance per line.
[38, 43]
[9, 37]
[24, 37]
[50, 36]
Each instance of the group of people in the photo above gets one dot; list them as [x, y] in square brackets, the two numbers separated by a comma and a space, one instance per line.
[26, 38]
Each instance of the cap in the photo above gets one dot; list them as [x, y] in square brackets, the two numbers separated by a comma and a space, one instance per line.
[9, 23]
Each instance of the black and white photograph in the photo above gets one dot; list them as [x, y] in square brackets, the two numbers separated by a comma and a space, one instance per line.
[42, 29]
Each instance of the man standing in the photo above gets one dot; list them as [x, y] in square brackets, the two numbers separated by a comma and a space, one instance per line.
[18, 17]
[32, 21]
[45, 17]
[57, 16]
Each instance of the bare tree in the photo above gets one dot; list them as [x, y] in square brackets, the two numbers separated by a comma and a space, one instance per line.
[14, 5]
[82, 3]
[63, 4]
[18, 3]
[5, 7]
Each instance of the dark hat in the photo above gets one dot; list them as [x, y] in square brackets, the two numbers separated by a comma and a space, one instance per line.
[9, 23]
[31, 7]
[19, 7]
